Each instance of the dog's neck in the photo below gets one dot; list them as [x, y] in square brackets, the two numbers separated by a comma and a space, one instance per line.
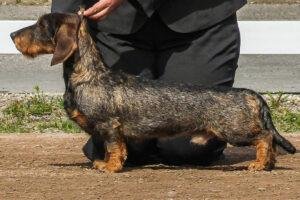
[86, 61]
[87, 53]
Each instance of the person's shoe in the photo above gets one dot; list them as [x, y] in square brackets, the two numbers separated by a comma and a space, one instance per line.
[88, 149]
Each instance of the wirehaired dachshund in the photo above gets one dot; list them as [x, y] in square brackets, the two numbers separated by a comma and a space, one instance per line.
[117, 106]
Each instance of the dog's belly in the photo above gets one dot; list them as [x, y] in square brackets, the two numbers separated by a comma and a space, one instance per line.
[237, 134]
[240, 139]
[159, 128]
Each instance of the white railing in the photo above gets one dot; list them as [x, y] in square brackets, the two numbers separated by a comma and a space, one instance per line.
[270, 37]
[6, 27]
[258, 37]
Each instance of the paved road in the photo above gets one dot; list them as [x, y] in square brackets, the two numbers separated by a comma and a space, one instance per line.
[269, 73]
[270, 12]
[260, 72]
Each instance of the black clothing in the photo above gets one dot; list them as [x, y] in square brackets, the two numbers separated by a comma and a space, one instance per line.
[179, 15]
[206, 57]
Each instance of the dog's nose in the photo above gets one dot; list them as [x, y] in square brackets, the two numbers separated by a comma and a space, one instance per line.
[13, 35]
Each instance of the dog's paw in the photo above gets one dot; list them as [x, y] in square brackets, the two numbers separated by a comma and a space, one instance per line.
[99, 165]
[258, 166]
[106, 167]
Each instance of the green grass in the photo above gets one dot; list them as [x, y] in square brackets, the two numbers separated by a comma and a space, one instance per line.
[41, 113]
[284, 118]
[37, 106]
[286, 121]
[38, 113]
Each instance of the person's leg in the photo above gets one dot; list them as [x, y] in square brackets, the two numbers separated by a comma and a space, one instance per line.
[70, 6]
[208, 57]
[121, 53]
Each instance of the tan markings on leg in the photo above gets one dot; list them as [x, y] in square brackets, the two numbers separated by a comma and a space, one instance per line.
[115, 156]
[265, 154]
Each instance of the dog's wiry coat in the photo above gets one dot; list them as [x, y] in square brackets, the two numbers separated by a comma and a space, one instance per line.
[119, 106]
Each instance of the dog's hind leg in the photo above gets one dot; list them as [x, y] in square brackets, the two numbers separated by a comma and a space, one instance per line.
[115, 151]
[265, 153]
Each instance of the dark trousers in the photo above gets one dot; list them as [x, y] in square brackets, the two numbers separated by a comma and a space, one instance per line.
[206, 57]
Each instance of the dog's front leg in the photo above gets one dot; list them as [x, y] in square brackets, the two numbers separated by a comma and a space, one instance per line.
[115, 149]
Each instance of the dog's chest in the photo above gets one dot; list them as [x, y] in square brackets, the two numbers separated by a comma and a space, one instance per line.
[73, 111]
[95, 102]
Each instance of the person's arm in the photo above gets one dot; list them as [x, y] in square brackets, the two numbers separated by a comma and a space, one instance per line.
[102, 8]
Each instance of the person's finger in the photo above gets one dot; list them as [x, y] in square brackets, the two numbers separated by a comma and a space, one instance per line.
[98, 7]
[100, 15]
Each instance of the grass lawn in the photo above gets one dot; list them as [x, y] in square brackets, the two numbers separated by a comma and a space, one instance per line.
[37, 113]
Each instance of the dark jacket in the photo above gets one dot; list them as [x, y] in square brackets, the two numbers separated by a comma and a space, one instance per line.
[179, 15]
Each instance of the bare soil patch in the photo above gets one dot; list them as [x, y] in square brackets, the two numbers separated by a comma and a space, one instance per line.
[53, 167]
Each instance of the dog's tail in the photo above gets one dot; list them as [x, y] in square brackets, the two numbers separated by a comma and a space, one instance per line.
[278, 139]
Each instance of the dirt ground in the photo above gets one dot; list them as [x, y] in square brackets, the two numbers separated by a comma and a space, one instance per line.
[53, 167]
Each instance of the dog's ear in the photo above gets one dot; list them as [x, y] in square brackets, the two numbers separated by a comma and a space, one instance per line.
[66, 42]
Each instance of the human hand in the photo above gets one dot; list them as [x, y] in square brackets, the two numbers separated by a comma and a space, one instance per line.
[102, 8]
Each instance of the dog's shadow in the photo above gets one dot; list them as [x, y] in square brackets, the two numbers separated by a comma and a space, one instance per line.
[232, 156]
[233, 160]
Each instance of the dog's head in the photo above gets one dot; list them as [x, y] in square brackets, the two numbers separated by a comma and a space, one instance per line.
[54, 33]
